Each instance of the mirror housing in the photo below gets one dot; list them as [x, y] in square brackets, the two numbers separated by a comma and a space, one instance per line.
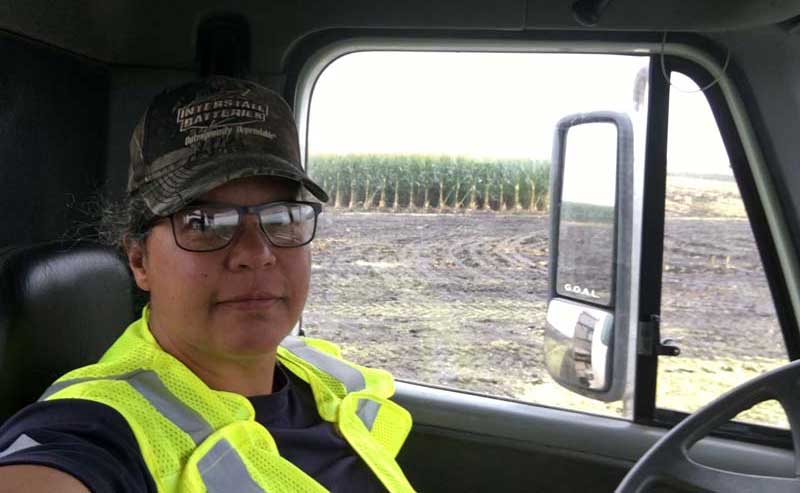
[591, 219]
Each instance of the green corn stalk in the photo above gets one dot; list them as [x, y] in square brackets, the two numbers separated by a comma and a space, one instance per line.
[473, 196]
[353, 194]
[382, 200]
[457, 203]
[486, 205]
[428, 177]
[396, 202]
[501, 206]
[338, 202]
[367, 198]
[441, 179]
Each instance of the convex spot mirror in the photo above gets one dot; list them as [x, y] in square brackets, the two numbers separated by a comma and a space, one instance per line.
[577, 345]
[591, 219]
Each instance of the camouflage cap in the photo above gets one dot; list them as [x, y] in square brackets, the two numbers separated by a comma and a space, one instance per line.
[201, 135]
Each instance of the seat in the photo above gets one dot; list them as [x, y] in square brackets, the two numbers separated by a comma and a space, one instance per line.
[61, 307]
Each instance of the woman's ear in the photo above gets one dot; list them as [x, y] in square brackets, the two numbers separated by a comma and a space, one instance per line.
[137, 260]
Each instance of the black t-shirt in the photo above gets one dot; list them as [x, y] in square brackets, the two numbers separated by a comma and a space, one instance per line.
[93, 442]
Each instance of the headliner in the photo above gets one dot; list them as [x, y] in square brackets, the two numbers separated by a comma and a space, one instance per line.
[152, 33]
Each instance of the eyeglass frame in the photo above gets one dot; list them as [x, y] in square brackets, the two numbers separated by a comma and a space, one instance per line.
[241, 210]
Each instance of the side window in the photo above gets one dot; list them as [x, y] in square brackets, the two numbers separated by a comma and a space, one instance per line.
[432, 256]
[716, 304]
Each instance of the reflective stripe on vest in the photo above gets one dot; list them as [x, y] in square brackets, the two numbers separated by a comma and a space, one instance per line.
[351, 378]
[150, 386]
[222, 469]
[21, 443]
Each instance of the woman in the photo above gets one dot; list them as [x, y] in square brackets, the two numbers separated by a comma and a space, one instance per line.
[207, 391]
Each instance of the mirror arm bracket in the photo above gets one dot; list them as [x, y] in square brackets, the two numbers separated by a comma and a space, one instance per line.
[649, 339]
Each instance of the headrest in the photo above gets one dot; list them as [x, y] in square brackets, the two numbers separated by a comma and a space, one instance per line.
[61, 307]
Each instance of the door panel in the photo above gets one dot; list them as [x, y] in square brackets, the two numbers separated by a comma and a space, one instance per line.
[464, 442]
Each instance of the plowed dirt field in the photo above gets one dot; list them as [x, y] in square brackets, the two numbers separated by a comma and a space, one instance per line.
[459, 299]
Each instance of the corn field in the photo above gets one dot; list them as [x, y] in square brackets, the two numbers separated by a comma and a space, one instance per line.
[431, 183]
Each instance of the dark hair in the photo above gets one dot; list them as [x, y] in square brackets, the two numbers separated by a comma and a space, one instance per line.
[126, 219]
[110, 222]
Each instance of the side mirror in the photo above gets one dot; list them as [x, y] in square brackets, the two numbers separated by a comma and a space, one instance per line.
[591, 218]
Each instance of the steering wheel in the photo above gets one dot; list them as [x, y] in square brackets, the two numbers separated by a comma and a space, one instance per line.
[669, 457]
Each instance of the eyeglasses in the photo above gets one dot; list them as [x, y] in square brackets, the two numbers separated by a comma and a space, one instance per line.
[209, 227]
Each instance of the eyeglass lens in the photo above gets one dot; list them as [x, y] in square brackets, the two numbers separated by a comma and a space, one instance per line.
[205, 228]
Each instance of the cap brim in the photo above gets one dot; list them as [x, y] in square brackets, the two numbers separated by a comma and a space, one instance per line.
[171, 192]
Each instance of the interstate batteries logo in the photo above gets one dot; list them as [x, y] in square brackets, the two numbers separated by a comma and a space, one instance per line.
[221, 117]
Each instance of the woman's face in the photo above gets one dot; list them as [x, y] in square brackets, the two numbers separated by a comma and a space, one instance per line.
[238, 302]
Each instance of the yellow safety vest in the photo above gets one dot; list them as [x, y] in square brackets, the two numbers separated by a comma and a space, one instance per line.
[196, 439]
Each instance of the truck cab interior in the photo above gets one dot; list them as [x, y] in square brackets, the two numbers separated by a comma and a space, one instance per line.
[76, 76]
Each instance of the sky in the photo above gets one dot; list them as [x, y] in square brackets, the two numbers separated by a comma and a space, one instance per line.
[500, 105]
[589, 163]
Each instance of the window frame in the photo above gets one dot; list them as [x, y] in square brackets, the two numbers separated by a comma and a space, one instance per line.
[648, 413]
[691, 55]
